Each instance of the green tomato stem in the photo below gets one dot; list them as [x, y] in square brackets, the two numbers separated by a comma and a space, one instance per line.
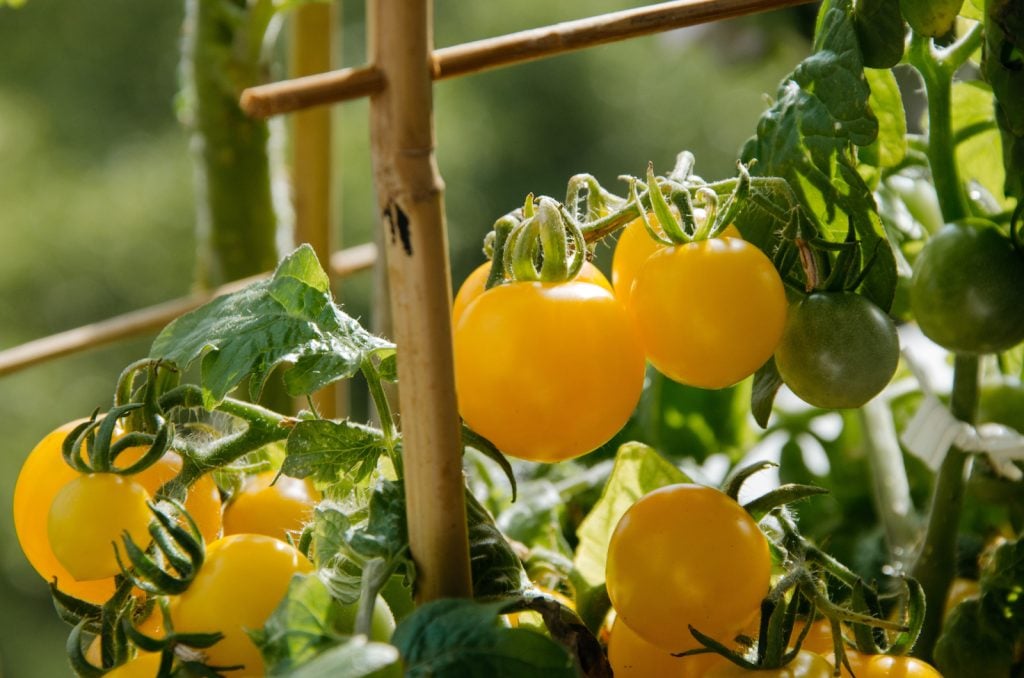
[937, 74]
[936, 563]
[375, 386]
[264, 426]
[889, 480]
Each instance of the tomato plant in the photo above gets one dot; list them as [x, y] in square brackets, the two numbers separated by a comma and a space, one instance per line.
[242, 580]
[532, 371]
[276, 506]
[686, 555]
[709, 313]
[838, 350]
[964, 292]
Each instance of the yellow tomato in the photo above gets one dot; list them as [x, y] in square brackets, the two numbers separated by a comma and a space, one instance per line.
[241, 582]
[275, 509]
[87, 519]
[42, 476]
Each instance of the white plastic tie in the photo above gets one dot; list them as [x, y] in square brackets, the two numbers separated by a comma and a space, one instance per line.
[933, 430]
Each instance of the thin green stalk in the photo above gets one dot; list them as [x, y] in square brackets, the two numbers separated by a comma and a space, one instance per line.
[936, 563]
[375, 385]
[937, 68]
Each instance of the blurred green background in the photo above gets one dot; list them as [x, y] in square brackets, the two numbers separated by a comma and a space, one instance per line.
[96, 195]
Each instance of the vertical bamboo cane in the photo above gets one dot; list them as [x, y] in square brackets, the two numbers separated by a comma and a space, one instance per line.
[410, 196]
[312, 48]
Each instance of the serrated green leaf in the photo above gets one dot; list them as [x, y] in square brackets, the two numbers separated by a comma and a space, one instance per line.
[289, 319]
[821, 111]
[638, 470]
[463, 639]
[328, 450]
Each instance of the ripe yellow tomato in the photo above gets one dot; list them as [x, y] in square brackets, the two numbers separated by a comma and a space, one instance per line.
[275, 510]
[42, 476]
[241, 582]
[687, 555]
[633, 248]
[476, 283]
[709, 313]
[87, 519]
[547, 372]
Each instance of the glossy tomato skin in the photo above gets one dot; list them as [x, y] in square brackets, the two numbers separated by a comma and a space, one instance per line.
[88, 517]
[275, 509]
[965, 293]
[241, 582]
[42, 476]
[632, 249]
[838, 350]
[805, 665]
[635, 245]
[709, 313]
[884, 666]
[547, 372]
[687, 555]
[475, 284]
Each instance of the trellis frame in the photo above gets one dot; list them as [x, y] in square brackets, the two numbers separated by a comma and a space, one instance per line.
[398, 79]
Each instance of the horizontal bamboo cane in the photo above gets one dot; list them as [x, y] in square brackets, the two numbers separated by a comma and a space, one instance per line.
[148, 320]
[472, 57]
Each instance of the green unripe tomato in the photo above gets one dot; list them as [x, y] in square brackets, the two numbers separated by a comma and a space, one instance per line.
[967, 289]
[838, 350]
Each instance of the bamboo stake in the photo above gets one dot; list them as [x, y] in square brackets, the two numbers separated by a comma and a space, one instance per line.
[311, 51]
[481, 55]
[410, 197]
[151, 319]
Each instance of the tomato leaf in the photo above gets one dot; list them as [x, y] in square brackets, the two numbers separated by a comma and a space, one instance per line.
[329, 450]
[767, 382]
[305, 633]
[978, 142]
[981, 635]
[289, 319]
[880, 31]
[496, 568]
[638, 470]
[807, 137]
[462, 638]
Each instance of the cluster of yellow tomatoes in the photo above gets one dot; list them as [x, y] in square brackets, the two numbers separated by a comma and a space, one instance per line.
[551, 371]
[688, 556]
[69, 525]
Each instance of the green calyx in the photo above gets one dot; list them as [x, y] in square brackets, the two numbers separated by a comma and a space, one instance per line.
[545, 245]
[91, 447]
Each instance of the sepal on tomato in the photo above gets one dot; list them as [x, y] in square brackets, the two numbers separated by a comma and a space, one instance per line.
[179, 552]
